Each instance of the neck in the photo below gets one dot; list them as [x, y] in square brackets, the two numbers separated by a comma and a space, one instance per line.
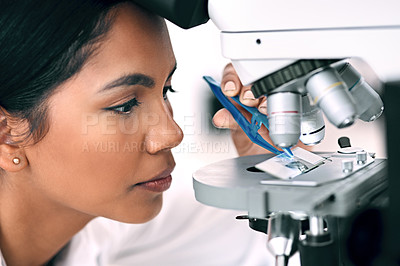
[32, 228]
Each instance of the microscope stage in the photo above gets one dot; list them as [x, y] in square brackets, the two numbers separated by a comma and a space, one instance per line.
[326, 190]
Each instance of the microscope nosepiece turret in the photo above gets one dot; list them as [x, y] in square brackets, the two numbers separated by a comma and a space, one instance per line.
[298, 94]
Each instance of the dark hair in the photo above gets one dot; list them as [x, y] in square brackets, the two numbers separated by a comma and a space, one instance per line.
[43, 43]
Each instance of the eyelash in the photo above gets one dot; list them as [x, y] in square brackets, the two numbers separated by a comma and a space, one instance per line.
[127, 107]
[167, 89]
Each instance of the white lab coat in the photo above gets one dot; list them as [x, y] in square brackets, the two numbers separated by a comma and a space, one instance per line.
[2, 262]
[186, 233]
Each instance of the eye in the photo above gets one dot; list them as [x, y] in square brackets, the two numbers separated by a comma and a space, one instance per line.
[167, 89]
[125, 108]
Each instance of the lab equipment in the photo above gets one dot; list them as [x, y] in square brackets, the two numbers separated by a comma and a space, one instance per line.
[312, 123]
[257, 120]
[284, 111]
[315, 206]
[306, 48]
[368, 103]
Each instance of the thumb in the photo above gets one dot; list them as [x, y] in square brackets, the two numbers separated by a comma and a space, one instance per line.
[224, 119]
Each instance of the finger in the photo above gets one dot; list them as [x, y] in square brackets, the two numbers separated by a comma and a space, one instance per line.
[247, 97]
[262, 107]
[230, 83]
[224, 119]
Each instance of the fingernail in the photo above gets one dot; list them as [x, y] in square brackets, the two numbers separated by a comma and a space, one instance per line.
[263, 107]
[222, 125]
[248, 95]
[229, 86]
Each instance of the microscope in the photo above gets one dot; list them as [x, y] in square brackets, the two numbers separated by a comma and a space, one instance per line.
[340, 208]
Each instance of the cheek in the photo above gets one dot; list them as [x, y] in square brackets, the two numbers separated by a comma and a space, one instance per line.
[91, 166]
[81, 160]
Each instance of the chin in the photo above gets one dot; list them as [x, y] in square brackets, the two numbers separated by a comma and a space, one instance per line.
[141, 215]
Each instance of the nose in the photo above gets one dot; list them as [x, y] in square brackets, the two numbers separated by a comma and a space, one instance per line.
[163, 135]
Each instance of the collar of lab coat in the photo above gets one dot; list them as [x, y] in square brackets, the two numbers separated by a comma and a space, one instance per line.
[2, 261]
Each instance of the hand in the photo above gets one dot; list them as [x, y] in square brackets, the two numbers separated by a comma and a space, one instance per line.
[231, 86]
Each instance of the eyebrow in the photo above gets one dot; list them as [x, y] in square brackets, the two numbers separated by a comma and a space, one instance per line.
[134, 79]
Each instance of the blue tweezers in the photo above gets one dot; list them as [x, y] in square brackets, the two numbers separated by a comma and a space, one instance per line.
[257, 119]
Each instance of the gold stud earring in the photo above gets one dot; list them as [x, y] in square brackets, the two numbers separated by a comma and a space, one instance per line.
[16, 160]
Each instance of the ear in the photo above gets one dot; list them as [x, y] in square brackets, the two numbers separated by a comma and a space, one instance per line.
[12, 155]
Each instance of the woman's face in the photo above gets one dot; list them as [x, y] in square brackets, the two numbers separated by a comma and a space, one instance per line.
[111, 127]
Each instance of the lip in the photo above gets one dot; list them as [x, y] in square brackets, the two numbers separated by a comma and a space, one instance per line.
[159, 183]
